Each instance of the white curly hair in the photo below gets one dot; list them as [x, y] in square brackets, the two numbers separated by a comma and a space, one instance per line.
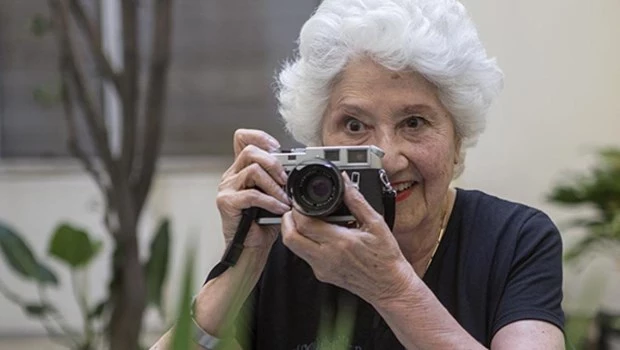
[436, 38]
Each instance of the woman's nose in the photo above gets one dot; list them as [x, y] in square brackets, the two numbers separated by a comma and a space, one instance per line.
[394, 159]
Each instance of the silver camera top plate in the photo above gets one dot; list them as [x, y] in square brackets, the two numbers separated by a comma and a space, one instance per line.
[344, 157]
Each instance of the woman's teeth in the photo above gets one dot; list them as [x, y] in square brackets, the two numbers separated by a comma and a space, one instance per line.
[403, 186]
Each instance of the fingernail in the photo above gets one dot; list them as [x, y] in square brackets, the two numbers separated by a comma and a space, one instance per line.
[274, 144]
[346, 176]
[284, 197]
[284, 207]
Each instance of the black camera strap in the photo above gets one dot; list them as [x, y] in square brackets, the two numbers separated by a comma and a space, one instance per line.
[389, 207]
[235, 248]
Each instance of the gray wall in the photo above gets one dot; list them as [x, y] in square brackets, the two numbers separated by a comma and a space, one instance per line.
[225, 54]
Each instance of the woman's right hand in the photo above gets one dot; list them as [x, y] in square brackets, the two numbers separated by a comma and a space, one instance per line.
[255, 179]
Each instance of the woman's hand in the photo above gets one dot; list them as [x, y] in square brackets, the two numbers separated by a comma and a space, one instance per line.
[255, 179]
[365, 260]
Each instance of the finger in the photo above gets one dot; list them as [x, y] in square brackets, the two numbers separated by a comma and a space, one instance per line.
[297, 243]
[316, 229]
[252, 154]
[236, 201]
[359, 207]
[255, 176]
[259, 138]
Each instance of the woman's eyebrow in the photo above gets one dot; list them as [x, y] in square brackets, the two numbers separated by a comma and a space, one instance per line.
[418, 108]
[409, 109]
[353, 108]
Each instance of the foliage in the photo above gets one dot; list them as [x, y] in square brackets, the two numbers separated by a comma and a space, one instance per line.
[157, 266]
[123, 171]
[600, 189]
[21, 259]
[182, 335]
[75, 248]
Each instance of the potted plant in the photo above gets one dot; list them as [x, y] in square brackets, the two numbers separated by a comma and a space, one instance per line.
[598, 189]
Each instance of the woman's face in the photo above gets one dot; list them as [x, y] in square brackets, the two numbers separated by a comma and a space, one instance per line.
[401, 113]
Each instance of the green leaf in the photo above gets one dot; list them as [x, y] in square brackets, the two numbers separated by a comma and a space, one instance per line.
[73, 246]
[40, 25]
[38, 310]
[20, 258]
[157, 265]
[17, 253]
[46, 276]
[181, 339]
[566, 194]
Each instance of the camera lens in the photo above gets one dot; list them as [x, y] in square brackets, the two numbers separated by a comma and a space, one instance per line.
[319, 188]
[316, 187]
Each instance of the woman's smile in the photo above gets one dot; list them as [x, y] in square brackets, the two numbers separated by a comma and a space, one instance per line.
[404, 189]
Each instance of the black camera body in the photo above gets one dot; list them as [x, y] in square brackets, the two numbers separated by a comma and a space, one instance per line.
[316, 188]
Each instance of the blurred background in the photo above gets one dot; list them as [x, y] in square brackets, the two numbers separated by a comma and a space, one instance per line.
[560, 105]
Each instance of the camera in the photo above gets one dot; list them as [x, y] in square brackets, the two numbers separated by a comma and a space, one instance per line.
[316, 188]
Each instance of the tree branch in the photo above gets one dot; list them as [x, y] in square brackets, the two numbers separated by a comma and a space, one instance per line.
[72, 137]
[93, 37]
[131, 64]
[155, 99]
[94, 120]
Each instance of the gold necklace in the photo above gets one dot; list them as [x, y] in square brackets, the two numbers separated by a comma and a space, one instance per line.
[440, 236]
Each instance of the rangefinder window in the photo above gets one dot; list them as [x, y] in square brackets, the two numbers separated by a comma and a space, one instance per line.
[332, 155]
[357, 156]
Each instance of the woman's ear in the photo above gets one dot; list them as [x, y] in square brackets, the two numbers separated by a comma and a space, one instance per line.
[457, 150]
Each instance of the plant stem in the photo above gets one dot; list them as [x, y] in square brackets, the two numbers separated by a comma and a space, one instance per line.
[60, 321]
[4, 290]
[78, 282]
[55, 336]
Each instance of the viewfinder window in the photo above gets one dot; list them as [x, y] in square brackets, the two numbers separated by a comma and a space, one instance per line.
[357, 156]
[332, 155]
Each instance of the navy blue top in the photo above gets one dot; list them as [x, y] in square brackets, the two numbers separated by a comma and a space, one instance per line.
[498, 262]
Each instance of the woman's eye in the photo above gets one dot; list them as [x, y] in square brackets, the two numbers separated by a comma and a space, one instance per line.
[354, 125]
[415, 122]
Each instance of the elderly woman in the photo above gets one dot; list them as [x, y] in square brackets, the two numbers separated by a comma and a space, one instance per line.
[460, 269]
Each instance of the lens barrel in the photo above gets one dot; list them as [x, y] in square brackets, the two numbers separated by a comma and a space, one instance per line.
[316, 187]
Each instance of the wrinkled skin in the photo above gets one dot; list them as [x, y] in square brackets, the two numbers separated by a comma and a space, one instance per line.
[400, 113]
[255, 179]
[369, 105]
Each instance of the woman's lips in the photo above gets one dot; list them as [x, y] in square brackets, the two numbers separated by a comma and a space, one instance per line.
[401, 196]
[404, 194]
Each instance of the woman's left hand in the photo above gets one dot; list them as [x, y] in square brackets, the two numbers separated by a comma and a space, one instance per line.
[365, 260]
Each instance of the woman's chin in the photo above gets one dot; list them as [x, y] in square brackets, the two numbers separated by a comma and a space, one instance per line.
[409, 211]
